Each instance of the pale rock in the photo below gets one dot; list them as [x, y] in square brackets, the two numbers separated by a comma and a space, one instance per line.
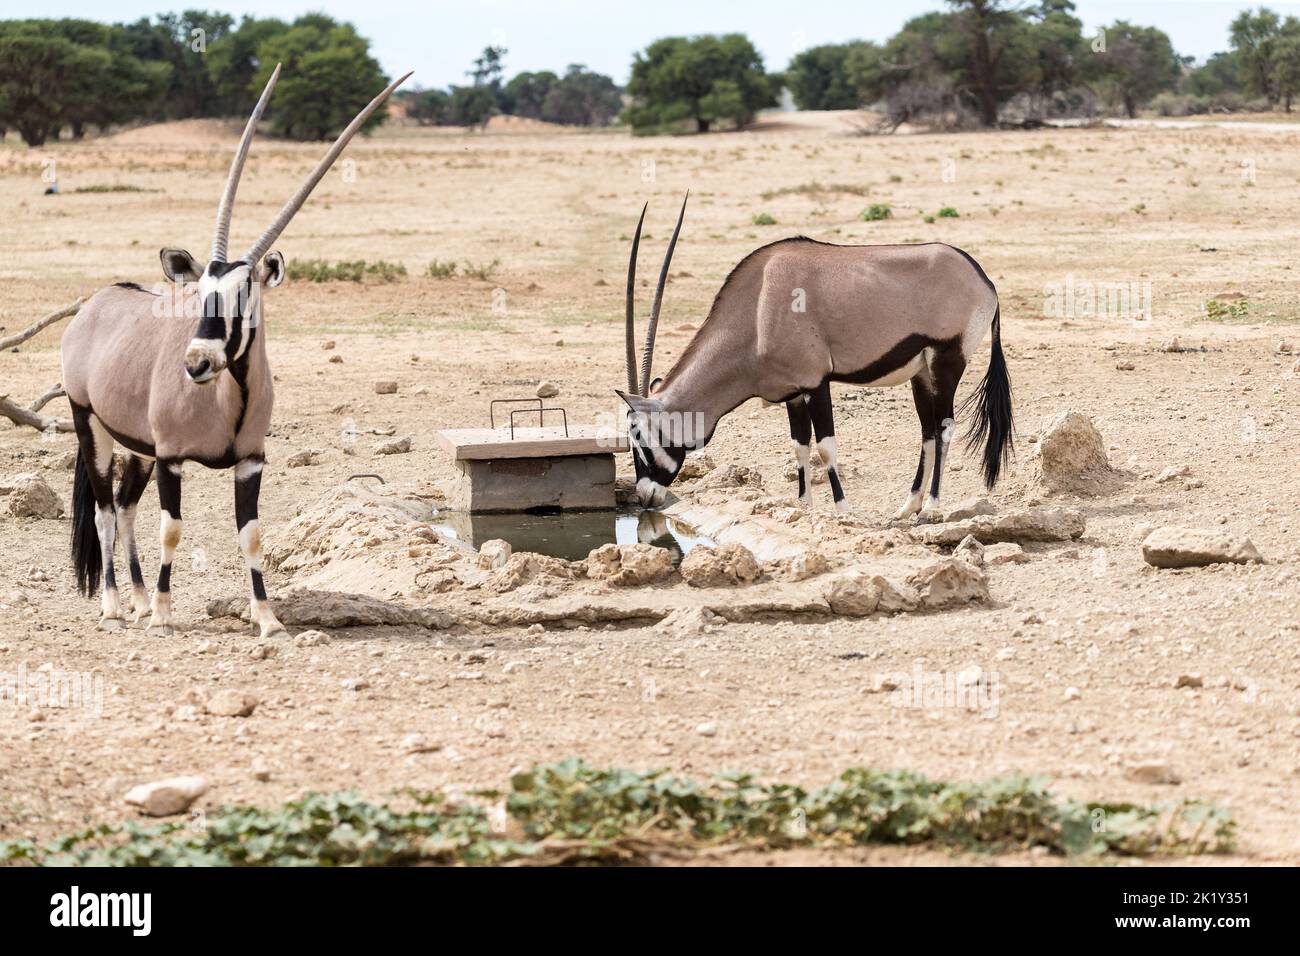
[730, 564]
[494, 554]
[311, 639]
[232, 703]
[1004, 552]
[303, 458]
[696, 465]
[970, 508]
[29, 496]
[398, 446]
[1030, 524]
[629, 565]
[707, 729]
[164, 798]
[547, 390]
[1152, 771]
[386, 387]
[1172, 472]
[1171, 547]
[970, 549]
[1189, 680]
[690, 620]
[1071, 458]
[949, 582]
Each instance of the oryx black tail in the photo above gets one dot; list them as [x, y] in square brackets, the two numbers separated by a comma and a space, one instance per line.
[86, 556]
[991, 404]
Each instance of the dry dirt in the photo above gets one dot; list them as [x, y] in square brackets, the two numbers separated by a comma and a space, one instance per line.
[1194, 213]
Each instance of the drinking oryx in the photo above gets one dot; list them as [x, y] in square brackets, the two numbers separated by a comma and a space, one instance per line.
[798, 314]
[177, 384]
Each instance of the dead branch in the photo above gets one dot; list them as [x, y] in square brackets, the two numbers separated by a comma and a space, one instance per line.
[50, 319]
[26, 416]
[56, 391]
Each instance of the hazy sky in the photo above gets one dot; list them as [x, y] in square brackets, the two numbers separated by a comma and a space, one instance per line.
[439, 39]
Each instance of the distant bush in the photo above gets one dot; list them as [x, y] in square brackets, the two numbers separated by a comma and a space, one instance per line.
[437, 269]
[484, 270]
[877, 211]
[947, 212]
[763, 219]
[321, 270]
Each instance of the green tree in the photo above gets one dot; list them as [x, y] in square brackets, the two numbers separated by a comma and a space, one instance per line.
[427, 107]
[1255, 37]
[525, 94]
[581, 98]
[818, 78]
[328, 77]
[470, 106]
[233, 64]
[1287, 70]
[705, 79]
[1138, 63]
[46, 81]
[1220, 74]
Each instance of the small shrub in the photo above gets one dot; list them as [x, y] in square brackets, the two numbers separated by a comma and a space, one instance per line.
[816, 188]
[1221, 311]
[929, 219]
[484, 270]
[438, 269]
[116, 188]
[322, 270]
[947, 212]
[763, 219]
[877, 211]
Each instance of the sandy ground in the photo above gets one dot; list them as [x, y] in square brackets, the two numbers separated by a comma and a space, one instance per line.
[1193, 213]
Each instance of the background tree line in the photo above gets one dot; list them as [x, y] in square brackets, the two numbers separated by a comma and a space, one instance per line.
[970, 63]
[58, 75]
[578, 97]
[981, 62]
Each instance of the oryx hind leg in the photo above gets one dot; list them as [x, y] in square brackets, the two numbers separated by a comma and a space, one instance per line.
[135, 478]
[248, 485]
[946, 368]
[801, 438]
[97, 460]
[169, 536]
[823, 419]
[923, 398]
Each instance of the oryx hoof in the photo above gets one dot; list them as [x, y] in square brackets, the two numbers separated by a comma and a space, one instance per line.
[160, 630]
[111, 624]
[275, 629]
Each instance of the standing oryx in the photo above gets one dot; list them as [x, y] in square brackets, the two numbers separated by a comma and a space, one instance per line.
[176, 384]
[798, 314]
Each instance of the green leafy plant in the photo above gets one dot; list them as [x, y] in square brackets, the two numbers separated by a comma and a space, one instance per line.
[763, 219]
[484, 270]
[438, 269]
[321, 270]
[816, 188]
[877, 211]
[572, 812]
[947, 212]
[1221, 311]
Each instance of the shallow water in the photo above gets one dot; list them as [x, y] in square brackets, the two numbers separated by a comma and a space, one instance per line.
[571, 535]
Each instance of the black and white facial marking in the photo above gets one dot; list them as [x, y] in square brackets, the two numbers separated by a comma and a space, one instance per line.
[658, 450]
[231, 293]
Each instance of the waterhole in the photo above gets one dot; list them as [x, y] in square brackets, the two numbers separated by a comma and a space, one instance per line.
[571, 535]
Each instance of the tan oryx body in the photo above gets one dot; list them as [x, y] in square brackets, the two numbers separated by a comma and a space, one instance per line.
[173, 376]
[795, 316]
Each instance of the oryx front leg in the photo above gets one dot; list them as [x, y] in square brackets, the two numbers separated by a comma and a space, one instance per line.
[135, 477]
[169, 536]
[801, 438]
[248, 485]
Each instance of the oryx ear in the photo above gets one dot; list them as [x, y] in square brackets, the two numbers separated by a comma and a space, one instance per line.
[655, 384]
[638, 403]
[272, 270]
[179, 266]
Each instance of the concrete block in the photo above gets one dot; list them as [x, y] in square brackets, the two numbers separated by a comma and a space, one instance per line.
[571, 482]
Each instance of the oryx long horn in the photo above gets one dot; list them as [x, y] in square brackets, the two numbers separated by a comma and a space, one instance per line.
[631, 303]
[291, 208]
[221, 234]
[648, 353]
